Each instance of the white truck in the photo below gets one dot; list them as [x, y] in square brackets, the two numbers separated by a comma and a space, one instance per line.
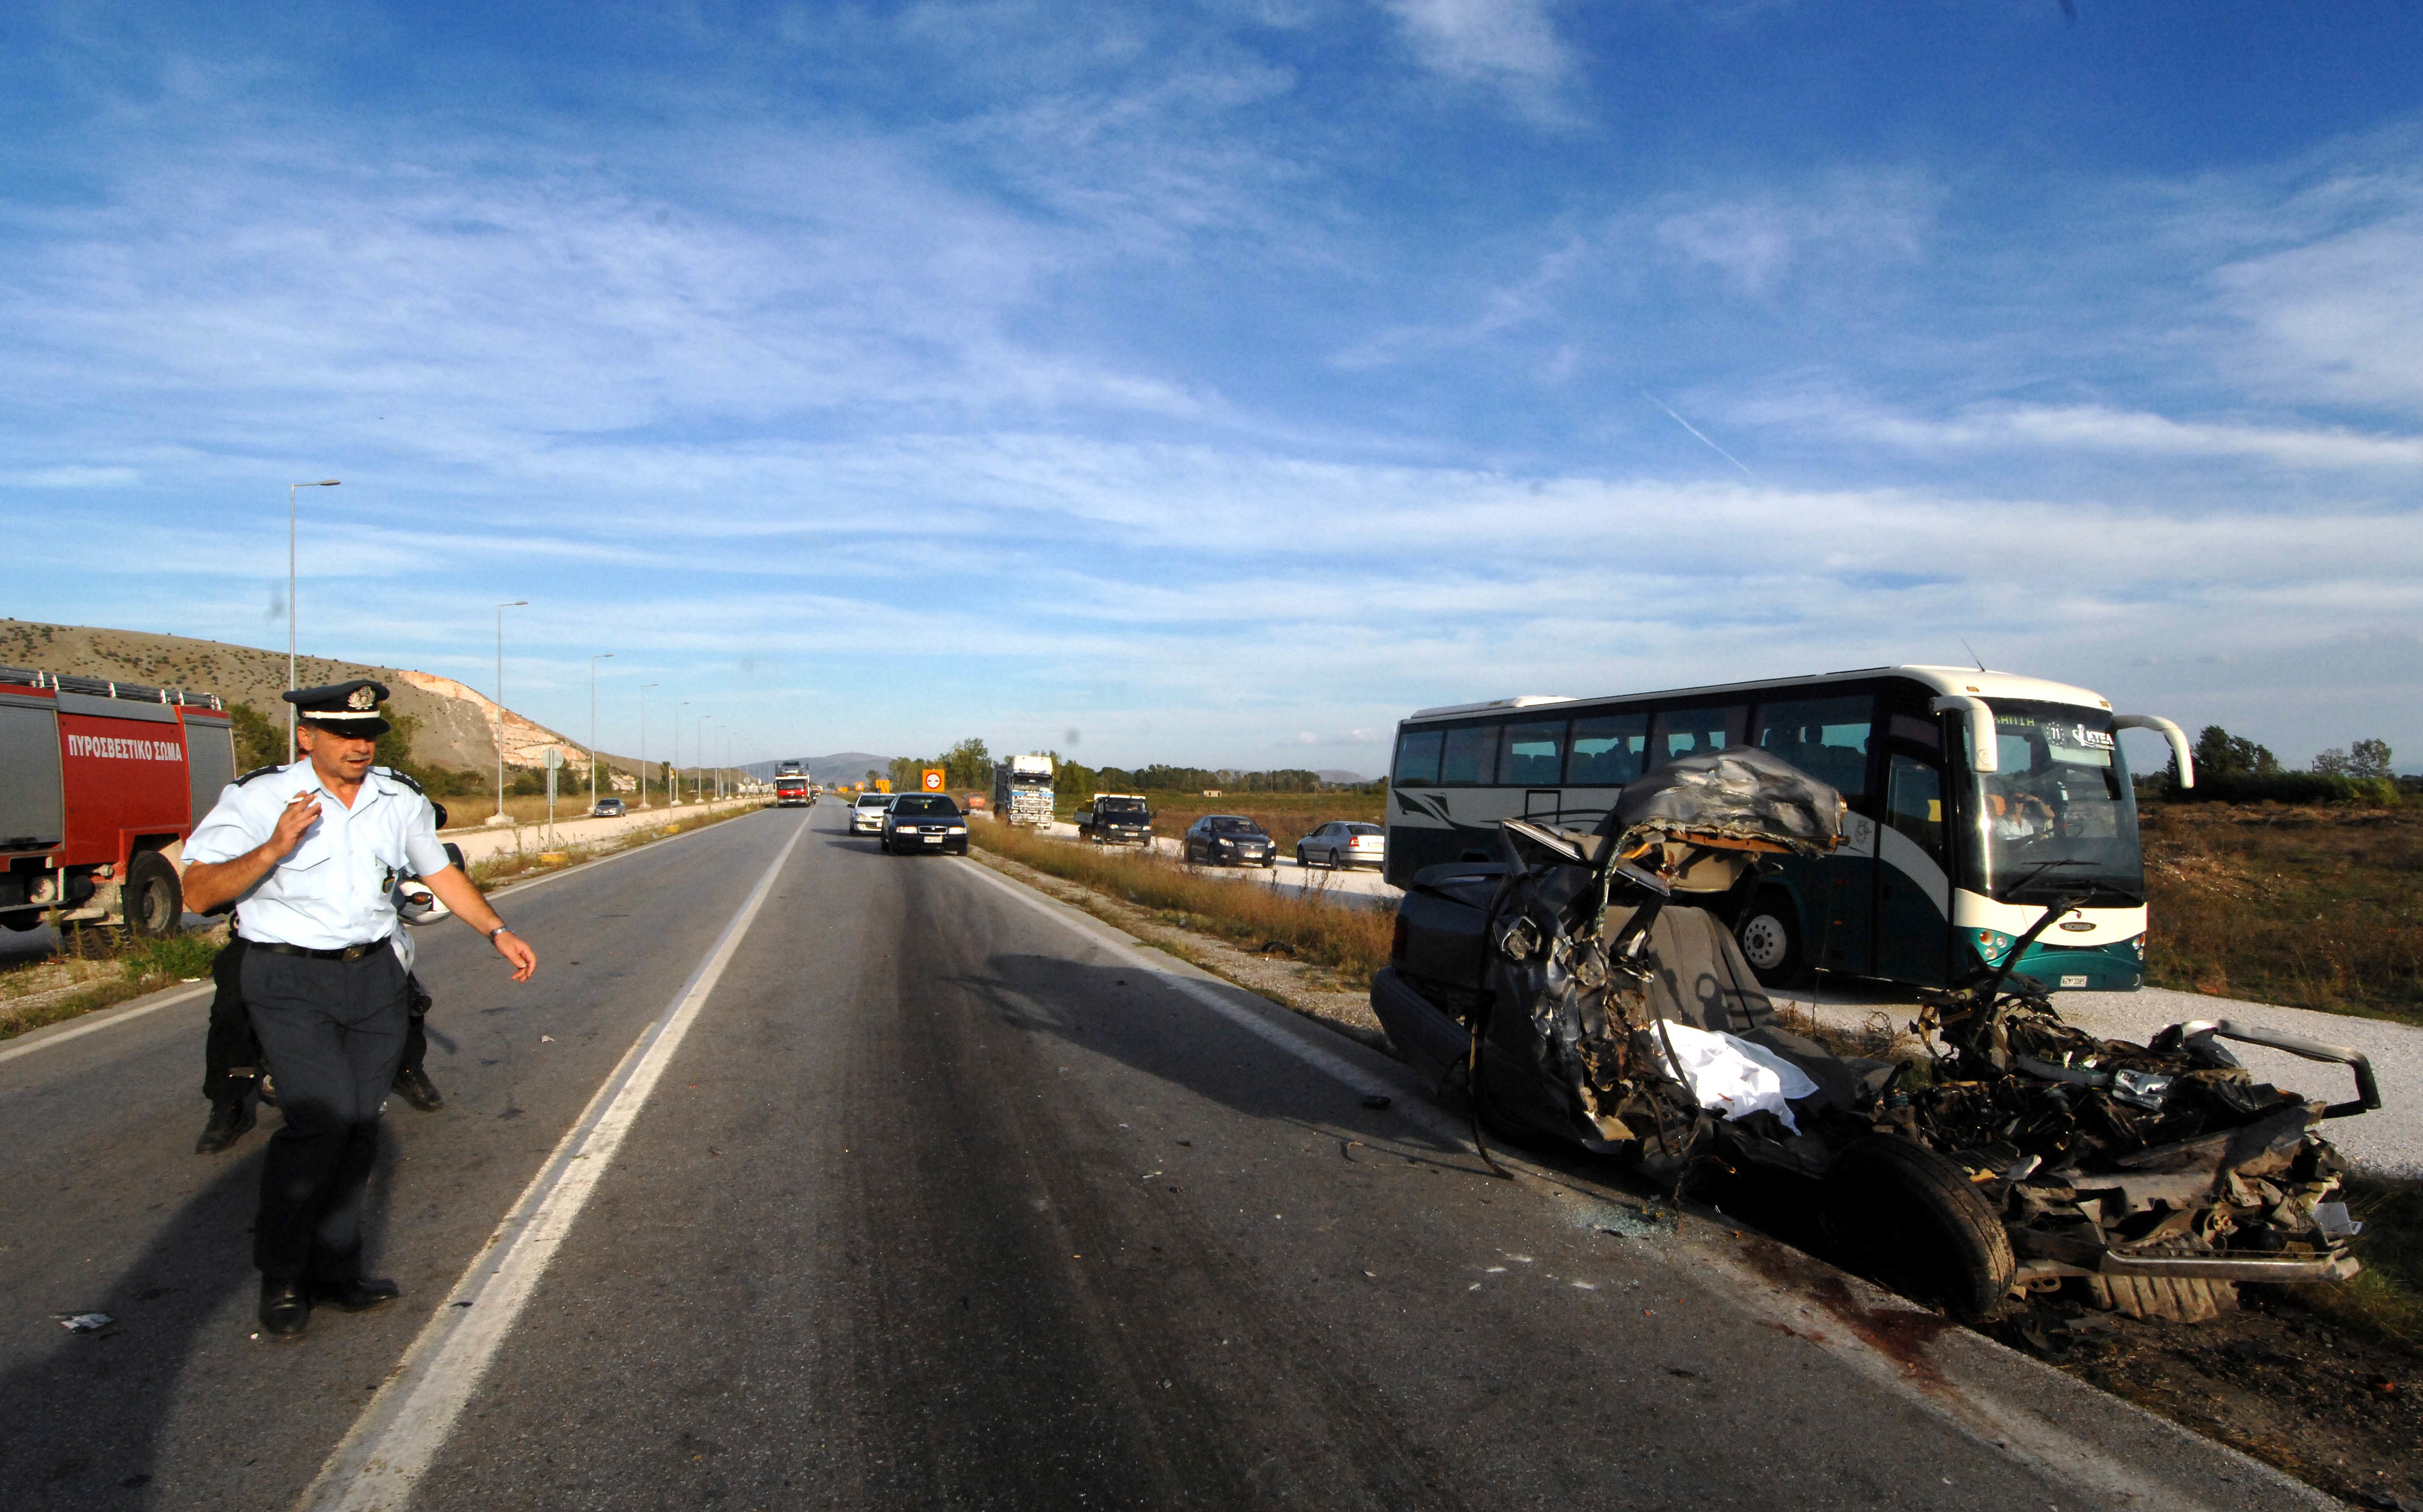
[1022, 789]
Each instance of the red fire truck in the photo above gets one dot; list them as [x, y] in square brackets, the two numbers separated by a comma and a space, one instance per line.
[100, 784]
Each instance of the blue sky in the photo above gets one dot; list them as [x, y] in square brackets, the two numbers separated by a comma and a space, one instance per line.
[1216, 381]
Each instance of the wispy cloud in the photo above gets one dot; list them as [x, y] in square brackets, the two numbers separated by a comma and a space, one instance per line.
[1756, 241]
[2095, 429]
[1510, 47]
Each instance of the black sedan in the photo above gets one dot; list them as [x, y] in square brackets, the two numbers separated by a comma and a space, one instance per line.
[922, 822]
[1230, 839]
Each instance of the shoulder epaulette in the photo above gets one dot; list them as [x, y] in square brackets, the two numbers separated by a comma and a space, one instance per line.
[259, 771]
[391, 772]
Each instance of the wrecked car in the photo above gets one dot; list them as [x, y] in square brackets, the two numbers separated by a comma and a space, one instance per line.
[1589, 989]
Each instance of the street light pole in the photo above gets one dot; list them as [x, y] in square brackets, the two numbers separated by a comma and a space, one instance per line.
[698, 789]
[325, 482]
[517, 604]
[644, 741]
[603, 656]
[672, 773]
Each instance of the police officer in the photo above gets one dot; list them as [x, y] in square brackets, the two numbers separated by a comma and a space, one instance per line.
[313, 852]
[231, 1053]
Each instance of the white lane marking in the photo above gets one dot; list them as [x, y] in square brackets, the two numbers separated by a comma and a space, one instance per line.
[93, 1023]
[398, 1436]
[98, 1022]
[1423, 1116]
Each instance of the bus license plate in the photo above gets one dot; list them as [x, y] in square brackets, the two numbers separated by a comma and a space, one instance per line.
[2073, 982]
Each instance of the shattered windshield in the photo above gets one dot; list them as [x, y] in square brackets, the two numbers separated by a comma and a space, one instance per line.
[2059, 816]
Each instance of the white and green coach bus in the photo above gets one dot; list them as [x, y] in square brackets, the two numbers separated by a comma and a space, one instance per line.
[1976, 799]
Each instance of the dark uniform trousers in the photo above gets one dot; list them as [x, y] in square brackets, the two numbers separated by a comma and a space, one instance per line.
[331, 1032]
[230, 1054]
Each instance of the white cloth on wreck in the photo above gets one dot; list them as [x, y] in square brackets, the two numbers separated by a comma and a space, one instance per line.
[1729, 1075]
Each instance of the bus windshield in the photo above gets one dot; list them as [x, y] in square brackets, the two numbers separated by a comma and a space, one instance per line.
[2059, 818]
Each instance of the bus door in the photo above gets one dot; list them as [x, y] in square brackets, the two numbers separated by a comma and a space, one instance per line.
[1913, 874]
[1828, 738]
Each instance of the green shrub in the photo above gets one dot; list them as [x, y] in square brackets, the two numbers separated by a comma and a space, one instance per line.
[2286, 787]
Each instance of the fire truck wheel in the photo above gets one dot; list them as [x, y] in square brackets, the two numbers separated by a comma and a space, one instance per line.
[155, 904]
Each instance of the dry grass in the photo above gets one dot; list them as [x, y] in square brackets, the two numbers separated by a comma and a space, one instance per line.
[2309, 907]
[1351, 941]
[100, 969]
[1286, 816]
[2387, 1299]
[472, 811]
[507, 865]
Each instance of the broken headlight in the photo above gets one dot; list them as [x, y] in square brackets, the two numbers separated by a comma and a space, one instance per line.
[2142, 1089]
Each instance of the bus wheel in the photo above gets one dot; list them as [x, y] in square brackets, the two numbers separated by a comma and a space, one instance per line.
[1771, 941]
[1913, 1220]
[155, 904]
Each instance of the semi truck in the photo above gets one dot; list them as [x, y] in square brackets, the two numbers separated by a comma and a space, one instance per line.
[101, 782]
[1022, 789]
[792, 787]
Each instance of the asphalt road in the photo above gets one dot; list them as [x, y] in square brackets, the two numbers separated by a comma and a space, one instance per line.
[913, 1190]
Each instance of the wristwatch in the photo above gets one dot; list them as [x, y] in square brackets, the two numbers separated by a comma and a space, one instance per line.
[501, 929]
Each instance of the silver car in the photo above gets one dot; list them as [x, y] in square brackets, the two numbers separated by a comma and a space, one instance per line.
[866, 815]
[1343, 843]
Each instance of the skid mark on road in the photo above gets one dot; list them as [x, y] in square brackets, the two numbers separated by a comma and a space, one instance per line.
[398, 1436]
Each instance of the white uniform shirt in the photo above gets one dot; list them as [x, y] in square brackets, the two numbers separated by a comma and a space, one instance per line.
[335, 887]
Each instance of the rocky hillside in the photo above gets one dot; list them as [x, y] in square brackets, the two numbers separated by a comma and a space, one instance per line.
[457, 726]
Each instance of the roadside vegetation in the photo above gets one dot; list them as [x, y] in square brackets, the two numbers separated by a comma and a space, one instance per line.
[1354, 942]
[2311, 905]
[99, 969]
[2387, 1300]
[1287, 816]
[661, 824]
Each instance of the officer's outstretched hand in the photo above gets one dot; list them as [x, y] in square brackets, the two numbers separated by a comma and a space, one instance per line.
[516, 949]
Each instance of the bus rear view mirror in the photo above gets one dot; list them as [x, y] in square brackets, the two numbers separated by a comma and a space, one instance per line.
[1985, 752]
[2172, 733]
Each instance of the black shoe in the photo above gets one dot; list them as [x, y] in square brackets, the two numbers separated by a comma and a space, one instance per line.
[268, 1092]
[418, 1089]
[357, 1295]
[285, 1309]
[230, 1119]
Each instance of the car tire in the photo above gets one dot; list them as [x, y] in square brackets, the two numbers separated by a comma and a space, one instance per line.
[154, 901]
[1771, 941]
[1910, 1218]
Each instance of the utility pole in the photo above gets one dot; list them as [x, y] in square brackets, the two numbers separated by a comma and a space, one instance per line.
[644, 741]
[325, 482]
[500, 706]
[603, 656]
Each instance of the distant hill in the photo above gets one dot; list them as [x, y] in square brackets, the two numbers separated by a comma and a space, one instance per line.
[1329, 774]
[457, 725]
[832, 771]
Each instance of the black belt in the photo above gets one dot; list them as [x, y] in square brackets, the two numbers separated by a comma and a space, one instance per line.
[343, 953]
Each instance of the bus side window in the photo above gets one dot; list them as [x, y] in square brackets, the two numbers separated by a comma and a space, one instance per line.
[1532, 755]
[1827, 738]
[1914, 803]
[1470, 757]
[1680, 733]
[1418, 758]
[1607, 749]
